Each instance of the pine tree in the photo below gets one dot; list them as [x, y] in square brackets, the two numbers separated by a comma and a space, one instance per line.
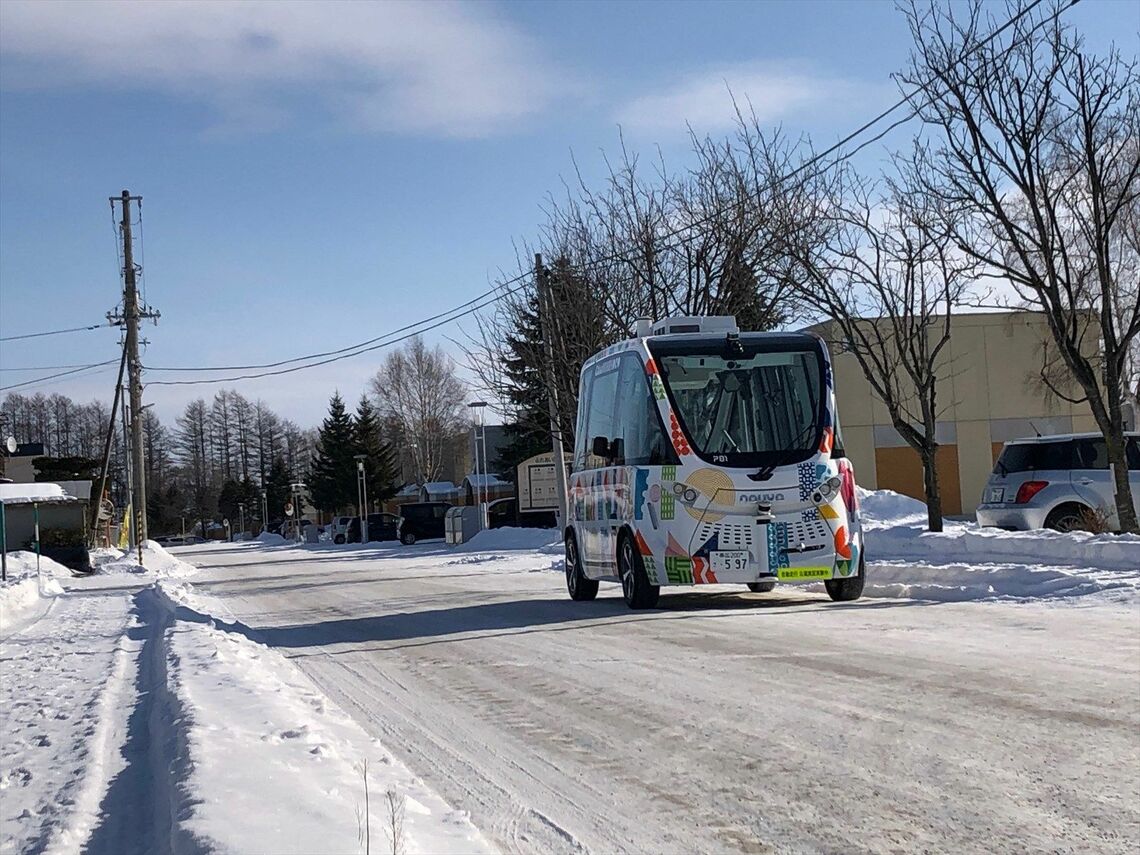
[529, 433]
[332, 479]
[380, 465]
[277, 488]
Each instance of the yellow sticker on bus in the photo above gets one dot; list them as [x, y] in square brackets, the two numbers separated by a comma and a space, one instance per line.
[804, 573]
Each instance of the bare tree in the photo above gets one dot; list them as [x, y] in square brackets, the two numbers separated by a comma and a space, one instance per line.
[1040, 151]
[418, 390]
[882, 265]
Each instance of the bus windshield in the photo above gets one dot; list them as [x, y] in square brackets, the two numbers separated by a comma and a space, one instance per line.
[742, 405]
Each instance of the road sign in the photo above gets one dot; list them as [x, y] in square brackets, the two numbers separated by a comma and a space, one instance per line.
[288, 509]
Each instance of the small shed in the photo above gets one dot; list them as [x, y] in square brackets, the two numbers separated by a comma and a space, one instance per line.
[62, 520]
[439, 491]
[491, 487]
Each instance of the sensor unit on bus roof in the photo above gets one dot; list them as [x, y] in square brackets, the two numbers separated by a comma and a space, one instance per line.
[724, 324]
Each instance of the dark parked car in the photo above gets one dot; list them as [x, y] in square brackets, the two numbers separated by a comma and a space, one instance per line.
[502, 513]
[380, 527]
[421, 520]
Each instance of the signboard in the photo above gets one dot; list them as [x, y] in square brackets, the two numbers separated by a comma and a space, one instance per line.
[538, 487]
[288, 509]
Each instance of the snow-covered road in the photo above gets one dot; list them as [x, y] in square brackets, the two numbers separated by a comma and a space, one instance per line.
[725, 721]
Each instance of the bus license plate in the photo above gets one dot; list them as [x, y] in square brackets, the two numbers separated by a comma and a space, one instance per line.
[726, 561]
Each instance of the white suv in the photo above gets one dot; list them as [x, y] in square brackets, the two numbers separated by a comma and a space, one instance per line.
[1059, 482]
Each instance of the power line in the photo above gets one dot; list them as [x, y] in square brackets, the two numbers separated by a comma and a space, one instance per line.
[361, 344]
[491, 297]
[39, 380]
[501, 290]
[50, 332]
[44, 367]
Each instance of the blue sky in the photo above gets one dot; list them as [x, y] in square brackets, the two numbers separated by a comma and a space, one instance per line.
[316, 174]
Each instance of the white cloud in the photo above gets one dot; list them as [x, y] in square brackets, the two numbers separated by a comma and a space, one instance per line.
[705, 99]
[450, 69]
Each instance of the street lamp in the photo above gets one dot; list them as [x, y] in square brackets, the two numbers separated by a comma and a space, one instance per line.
[362, 496]
[264, 511]
[296, 488]
[479, 437]
[241, 518]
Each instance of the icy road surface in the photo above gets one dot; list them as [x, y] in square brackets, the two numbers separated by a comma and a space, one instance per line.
[725, 721]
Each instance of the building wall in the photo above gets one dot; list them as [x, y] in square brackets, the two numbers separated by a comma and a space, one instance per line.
[989, 391]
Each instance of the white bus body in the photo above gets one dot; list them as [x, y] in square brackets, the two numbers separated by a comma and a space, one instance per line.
[710, 456]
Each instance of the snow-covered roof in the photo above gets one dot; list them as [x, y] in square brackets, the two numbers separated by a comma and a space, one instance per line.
[488, 480]
[40, 492]
[408, 490]
[439, 488]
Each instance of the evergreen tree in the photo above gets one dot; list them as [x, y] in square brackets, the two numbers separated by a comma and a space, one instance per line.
[277, 489]
[380, 465]
[332, 478]
[529, 433]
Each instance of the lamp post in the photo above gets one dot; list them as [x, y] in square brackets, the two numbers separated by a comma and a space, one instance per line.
[479, 437]
[241, 519]
[296, 488]
[264, 511]
[362, 493]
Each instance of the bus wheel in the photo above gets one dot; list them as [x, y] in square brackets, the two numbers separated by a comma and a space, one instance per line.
[762, 587]
[635, 587]
[577, 584]
[845, 590]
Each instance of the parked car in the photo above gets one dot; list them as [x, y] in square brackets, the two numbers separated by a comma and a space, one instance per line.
[502, 513]
[338, 528]
[380, 527]
[1060, 482]
[421, 520]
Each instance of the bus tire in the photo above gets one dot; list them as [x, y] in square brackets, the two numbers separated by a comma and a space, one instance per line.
[762, 587]
[846, 590]
[635, 587]
[579, 587]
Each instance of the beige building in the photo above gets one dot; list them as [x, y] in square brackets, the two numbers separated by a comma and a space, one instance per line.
[989, 391]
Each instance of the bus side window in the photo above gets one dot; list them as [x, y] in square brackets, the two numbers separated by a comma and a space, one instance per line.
[637, 422]
[581, 438]
[600, 409]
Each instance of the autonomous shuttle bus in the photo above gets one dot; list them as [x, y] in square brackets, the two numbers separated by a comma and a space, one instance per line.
[706, 455]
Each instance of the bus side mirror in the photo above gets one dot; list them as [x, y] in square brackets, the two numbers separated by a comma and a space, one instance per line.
[600, 447]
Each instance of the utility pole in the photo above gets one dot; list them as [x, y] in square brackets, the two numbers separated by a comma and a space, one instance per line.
[133, 312]
[546, 322]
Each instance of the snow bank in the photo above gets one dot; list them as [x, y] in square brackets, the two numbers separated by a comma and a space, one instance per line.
[969, 562]
[543, 540]
[24, 589]
[887, 507]
[275, 766]
[270, 538]
[156, 560]
[970, 542]
[895, 530]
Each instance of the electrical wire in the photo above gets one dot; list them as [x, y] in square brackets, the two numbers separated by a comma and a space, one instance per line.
[39, 380]
[50, 332]
[491, 297]
[500, 290]
[43, 368]
[361, 344]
